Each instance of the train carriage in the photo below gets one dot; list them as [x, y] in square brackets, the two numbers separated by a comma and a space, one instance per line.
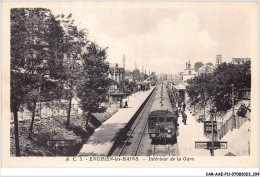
[162, 119]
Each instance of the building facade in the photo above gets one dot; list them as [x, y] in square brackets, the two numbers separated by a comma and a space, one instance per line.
[240, 60]
[116, 72]
[188, 72]
[218, 60]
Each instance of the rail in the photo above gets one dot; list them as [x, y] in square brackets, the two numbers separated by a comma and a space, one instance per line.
[140, 139]
[140, 117]
[167, 150]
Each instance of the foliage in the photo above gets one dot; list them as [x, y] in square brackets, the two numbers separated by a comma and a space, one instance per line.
[197, 65]
[94, 82]
[73, 43]
[35, 38]
[51, 59]
[216, 87]
[136, 74]
[209, 64]
[145, 76]
[154, 78]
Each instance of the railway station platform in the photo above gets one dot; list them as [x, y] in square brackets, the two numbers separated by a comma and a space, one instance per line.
[188, 134]
[102, 140]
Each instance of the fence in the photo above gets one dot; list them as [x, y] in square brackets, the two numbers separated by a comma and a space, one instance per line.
[57, 109]
[53, 109]
[234, 122]
[49, 109]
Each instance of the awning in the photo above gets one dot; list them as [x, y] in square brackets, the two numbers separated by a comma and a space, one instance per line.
[180, 87]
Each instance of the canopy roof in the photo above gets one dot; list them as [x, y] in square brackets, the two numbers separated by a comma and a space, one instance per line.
[180, 87]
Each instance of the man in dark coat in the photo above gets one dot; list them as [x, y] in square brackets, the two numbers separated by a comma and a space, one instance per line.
[184, 106]
[184, 117]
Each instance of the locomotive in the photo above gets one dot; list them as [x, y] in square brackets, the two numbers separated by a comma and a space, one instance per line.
[162, 119]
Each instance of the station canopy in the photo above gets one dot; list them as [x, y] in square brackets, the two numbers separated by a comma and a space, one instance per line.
[142, 83]
[180, 87]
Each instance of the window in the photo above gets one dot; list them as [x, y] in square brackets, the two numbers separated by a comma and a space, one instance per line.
[189, 72]
[161, 119]
[152, 119]
[169, 119]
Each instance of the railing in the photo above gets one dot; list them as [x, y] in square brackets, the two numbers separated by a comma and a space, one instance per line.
[234, 122]
[54, 109]
[229, 125]
[49, 109]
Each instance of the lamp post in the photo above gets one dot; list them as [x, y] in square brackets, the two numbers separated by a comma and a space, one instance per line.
[212, 126]
[204, 100]
[212, 131]
[233, 110]
[215, 111]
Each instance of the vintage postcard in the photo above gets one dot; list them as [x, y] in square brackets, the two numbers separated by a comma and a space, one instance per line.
[129, 84]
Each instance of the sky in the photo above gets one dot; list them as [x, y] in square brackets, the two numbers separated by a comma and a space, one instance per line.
[162, 38]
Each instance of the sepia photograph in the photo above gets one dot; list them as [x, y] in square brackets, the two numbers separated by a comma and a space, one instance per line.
[138, 83]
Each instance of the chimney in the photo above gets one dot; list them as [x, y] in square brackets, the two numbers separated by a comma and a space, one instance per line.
[123, 61]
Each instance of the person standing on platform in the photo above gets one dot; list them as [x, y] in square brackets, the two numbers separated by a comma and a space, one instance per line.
[126, 104]
[183, 106]
[184, 117]
[121, 103]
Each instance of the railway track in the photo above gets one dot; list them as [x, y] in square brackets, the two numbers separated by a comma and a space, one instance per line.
[130, 146]
[137, 141]
[165, 150]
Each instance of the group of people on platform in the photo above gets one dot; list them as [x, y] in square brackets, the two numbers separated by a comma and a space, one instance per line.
[123, 103]
[143, 87]
[181, 110]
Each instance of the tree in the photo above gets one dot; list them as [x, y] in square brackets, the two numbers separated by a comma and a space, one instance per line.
[154, 78]
[224, 76]
[74, 41]
[17, 99]
[31, 99]
[193, 90]
[94, 82]
[209, 64]
[216, 86]
[35, 36]
[145, 76]
[197, 65]
[200, 89]
[136, 74]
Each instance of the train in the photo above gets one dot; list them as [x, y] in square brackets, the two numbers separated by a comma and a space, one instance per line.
[162, 118]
